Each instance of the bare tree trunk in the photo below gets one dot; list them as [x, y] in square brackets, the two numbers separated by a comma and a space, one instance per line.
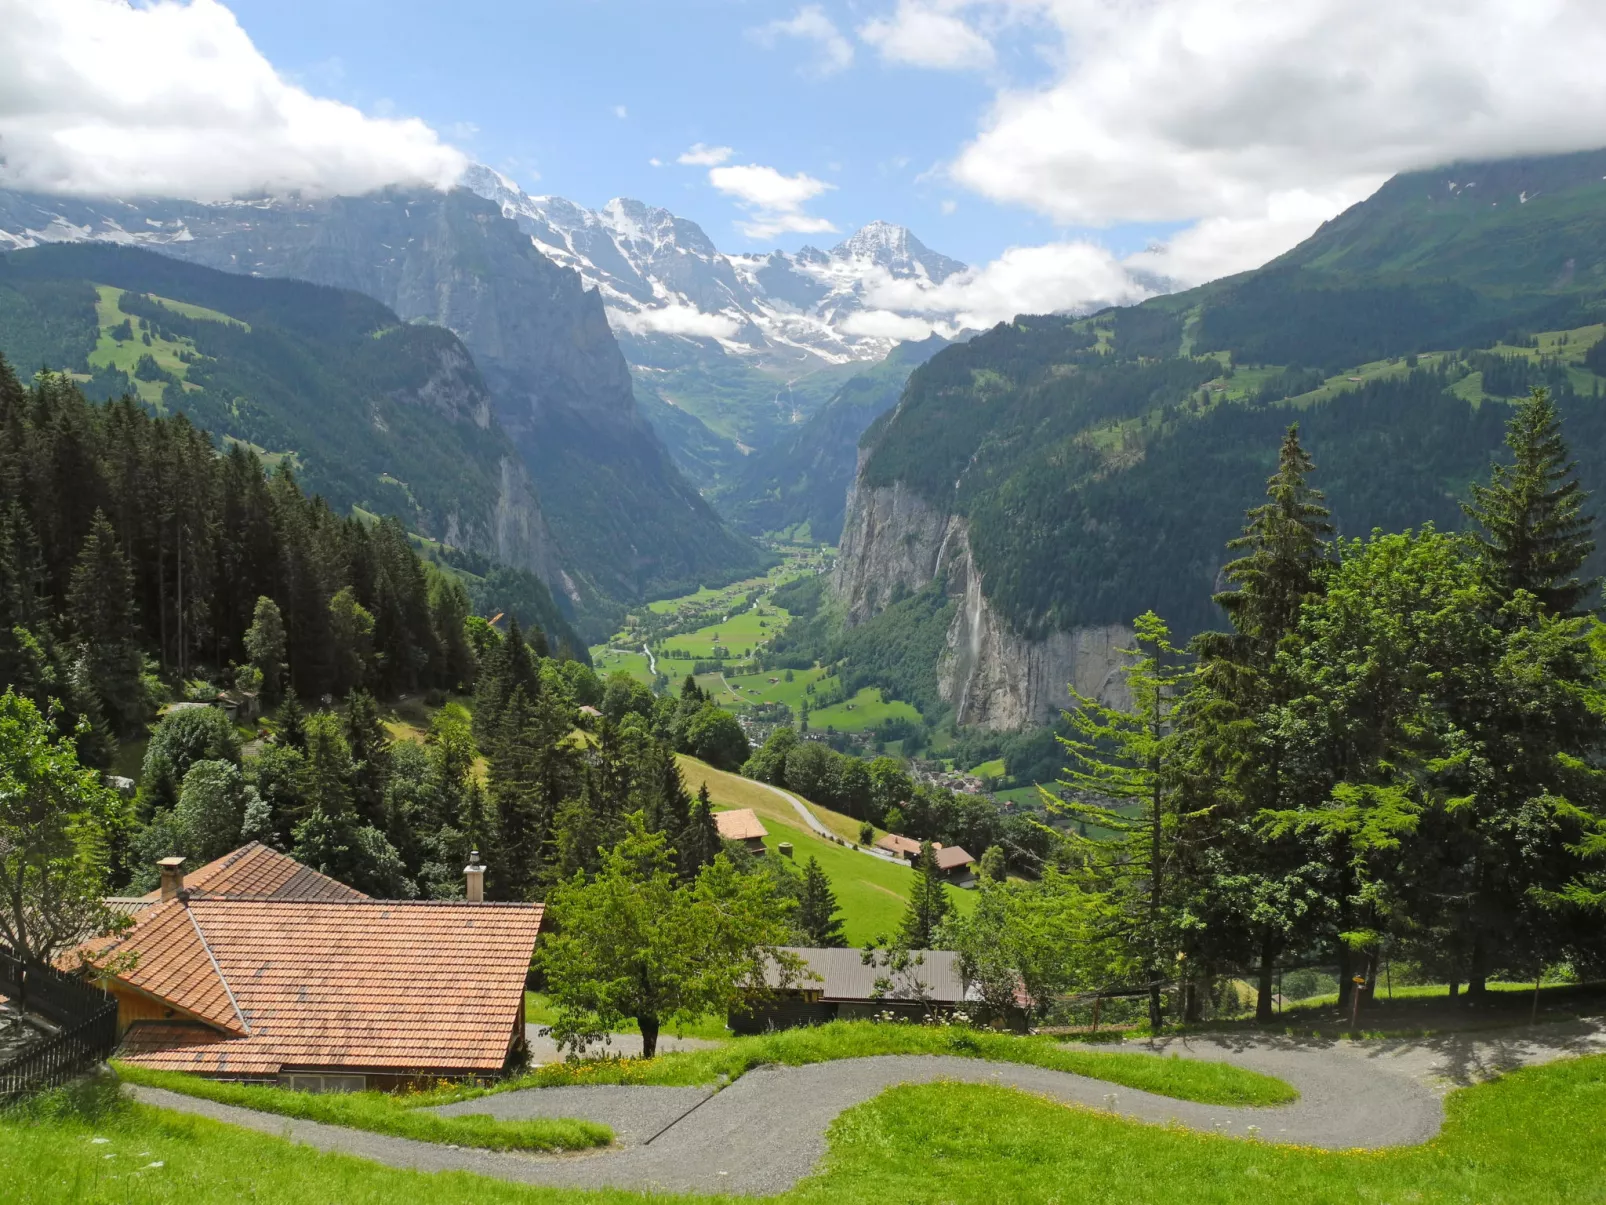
[1268, 955]
[649, 1036]
[1346, 966]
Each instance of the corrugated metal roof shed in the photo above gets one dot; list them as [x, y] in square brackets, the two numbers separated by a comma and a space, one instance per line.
[843, 976]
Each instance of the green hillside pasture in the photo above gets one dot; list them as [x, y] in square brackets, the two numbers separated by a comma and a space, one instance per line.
[757, 688]
[609, 659]
[871, 892]
[125, 354]
[743, 630]
[867, 709]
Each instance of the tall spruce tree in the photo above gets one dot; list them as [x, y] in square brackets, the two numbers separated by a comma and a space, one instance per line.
[1253, 893]
[817, 915]
[699, 844]
[928, 903]
[1122, 778]
[1532, 527]
[100, 614]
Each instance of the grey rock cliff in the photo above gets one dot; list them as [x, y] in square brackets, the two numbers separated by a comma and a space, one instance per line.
[992, 675]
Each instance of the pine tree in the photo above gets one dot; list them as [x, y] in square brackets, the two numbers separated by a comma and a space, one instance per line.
[1121, 778]
[699, 844]
[817, 910]
[100, 615]
[928, 903]
[370, 755]
[1534, 533]
[1285, 555]
[290, 722]
[515, 855]
[265, 645]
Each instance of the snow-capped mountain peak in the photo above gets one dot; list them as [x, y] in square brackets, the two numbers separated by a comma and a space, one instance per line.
[663, 279]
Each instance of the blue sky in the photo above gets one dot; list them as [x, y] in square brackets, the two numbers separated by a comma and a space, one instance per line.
[1074, 152]
[534, 90]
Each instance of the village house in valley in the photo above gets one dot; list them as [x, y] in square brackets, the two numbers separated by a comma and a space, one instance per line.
[261, 969]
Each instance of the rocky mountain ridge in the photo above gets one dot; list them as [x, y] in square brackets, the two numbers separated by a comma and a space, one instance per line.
[624, 521]
[666, 284]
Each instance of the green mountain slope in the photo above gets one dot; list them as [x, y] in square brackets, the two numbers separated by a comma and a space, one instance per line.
[804, 477]
[376, 415]
[1100, 465]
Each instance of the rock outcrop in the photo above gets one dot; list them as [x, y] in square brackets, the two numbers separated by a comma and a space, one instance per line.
[895, 542]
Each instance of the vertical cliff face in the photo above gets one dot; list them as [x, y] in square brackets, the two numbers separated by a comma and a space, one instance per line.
[894, 541]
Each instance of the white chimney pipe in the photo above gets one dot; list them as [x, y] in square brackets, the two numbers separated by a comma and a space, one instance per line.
[475, 874]
[172, 877]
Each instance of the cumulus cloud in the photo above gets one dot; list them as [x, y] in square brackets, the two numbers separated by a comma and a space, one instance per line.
[1240, 110]
[675, 320]
[834, 52]
[773, 201]
[98, 96]
[700, 155]
[884, 324]
[1066, 277]
[920, 33]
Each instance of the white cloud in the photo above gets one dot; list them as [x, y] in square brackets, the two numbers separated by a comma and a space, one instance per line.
[101, 97]
[884, 324]
[1256, 120]
[948, 205]
[1069, 277]
[621, 112]
[921, 34]
[835, 52]
[675, 320]
[774, 202]
[702, 155]
[655, 162]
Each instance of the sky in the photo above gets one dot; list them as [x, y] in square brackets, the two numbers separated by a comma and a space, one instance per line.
[1071, 151]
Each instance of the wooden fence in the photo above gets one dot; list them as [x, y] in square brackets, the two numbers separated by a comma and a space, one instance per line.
[85, 1016]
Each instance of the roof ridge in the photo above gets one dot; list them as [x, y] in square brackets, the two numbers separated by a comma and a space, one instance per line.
[202, 896]
[212, 958]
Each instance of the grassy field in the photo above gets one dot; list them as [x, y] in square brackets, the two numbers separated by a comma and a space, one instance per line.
[1533, 1137]
[607, 659]
[1176, 1077]
[872, 893]
[757, 688]
[867, 709]
[385, 1114]
[125, 354]
[736, 634]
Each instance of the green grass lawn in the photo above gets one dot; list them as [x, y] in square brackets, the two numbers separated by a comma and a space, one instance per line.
[741, 631]
[867, 709]
[1533, 1137]
[125, 354]
[606, 659]
[871, 892]
[383, 1113]
[757, 688]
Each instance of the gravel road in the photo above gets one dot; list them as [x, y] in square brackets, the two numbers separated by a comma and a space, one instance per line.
[1352, 1094]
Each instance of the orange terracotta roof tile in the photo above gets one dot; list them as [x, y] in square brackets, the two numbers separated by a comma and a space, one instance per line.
[363, 985]
[259, 870]
[739, 824]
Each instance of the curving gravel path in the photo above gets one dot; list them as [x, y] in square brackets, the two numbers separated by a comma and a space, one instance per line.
[764, 1132]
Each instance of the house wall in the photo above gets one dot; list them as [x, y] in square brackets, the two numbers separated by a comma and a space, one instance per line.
[132, 1007]
[790, 1011]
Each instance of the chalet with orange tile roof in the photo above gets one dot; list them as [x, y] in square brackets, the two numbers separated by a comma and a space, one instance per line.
[320, 990]
[742, 825]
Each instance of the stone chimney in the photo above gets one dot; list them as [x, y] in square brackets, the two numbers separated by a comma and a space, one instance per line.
[475, 874]
[172, 877]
